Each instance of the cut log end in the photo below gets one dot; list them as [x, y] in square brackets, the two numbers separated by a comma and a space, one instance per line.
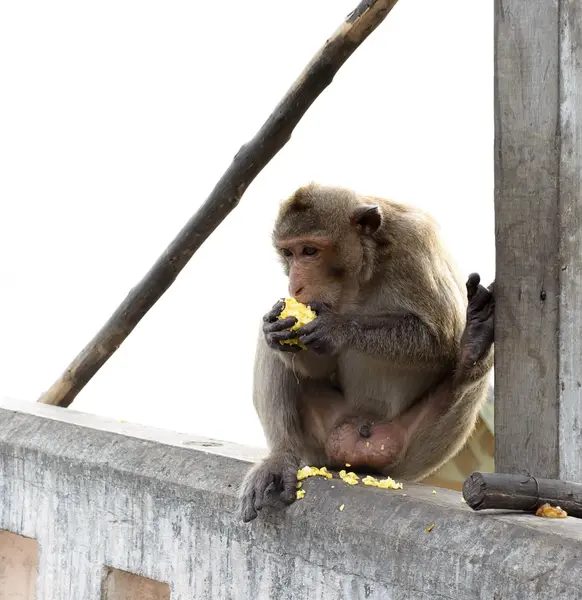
[474, 490]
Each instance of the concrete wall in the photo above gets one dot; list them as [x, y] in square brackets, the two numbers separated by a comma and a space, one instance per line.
[124, 512]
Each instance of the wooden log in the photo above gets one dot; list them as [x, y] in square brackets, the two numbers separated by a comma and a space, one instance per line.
[538, 220]
[521, 492]
[246, 165]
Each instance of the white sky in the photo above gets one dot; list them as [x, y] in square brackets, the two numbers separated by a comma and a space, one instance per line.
[118, 117]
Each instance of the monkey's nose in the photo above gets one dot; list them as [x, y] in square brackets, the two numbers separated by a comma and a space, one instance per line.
[298, 291]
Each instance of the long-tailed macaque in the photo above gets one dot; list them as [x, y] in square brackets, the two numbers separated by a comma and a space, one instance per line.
[397, 359]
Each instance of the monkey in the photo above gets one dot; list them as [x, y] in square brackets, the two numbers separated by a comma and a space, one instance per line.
[398, 356]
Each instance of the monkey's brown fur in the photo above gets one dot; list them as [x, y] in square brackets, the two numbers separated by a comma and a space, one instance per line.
[396, 367]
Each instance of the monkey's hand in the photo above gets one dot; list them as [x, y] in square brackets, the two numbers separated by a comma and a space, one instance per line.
[328, 333]
[275, 476]
[276, 330]
[480, 325]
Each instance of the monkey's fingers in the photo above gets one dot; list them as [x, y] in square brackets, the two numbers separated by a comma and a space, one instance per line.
[480, 299]
[307, 329]
[265, 477]
[274, 313]
[289, 483]
[291, 348]
[283, 324]
[472, 285]
[247, 507]
[281, 336]
[315, 342]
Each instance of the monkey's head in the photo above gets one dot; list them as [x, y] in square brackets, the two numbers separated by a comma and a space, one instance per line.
[325, 238]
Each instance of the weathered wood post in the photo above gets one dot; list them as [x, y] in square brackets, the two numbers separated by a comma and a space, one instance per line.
[538, 212]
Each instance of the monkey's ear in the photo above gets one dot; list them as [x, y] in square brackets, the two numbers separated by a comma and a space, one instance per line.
[301, 199]
[368, 218]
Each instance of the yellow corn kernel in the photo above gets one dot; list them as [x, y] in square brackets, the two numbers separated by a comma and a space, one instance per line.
[369, 480]
[429, 528]
[300, 494]
[342, 506]
[350, 478]
[308, 471]
[302, 313]
[388, 483]
[348, 465]
[551, 512]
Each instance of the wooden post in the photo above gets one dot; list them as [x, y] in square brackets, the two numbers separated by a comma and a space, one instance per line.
[538, 213]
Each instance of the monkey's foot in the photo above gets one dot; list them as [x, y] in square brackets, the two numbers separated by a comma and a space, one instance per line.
[363, 444]
[274, 478]
[479, 329]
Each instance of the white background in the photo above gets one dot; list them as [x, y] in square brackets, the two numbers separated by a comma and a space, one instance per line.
[118, 117]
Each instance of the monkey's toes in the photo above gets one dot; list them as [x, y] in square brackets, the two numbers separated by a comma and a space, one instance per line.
[472, 284]
[289, 495]
[473, 281]
[247, 510]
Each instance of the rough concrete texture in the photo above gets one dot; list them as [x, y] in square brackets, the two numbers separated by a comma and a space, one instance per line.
[96, 499]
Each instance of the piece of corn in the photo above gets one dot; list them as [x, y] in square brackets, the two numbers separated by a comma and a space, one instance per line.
[308, 471]
[551, 512]
[429, 528]
[342, 506]
[350, 478]
[387, 484]
[302, 313]
[300, 494]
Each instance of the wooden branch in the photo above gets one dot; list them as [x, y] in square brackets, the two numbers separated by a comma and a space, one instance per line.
[246, 165]
[521, 492]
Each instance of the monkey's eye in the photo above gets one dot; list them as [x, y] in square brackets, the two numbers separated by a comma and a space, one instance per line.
[309, 251]
[286, 252]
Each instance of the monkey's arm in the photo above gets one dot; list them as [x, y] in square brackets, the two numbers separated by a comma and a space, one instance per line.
[394, 337]
[276, 395]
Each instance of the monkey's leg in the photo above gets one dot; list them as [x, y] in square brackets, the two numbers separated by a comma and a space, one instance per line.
[276, 396]
[424, 437]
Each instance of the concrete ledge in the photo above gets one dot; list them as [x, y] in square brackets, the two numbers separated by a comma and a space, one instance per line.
[139, 500]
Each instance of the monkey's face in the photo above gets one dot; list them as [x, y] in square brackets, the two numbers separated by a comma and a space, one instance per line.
[316, 270]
